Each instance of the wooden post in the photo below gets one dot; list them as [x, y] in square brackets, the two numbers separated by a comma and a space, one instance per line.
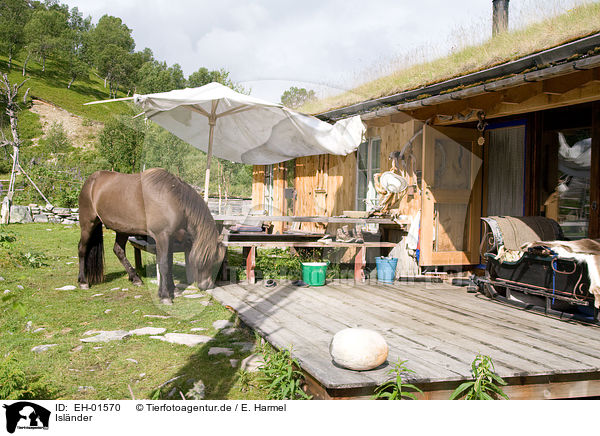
[499, 16]
[594, 222]
[250, 254]
[360, 262]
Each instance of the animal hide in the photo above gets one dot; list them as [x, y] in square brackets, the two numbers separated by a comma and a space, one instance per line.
[582, 250]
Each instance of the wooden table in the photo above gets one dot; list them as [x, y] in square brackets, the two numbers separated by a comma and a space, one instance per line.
[311, 219]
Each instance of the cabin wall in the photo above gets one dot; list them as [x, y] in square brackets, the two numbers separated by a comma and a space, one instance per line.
[258, 187]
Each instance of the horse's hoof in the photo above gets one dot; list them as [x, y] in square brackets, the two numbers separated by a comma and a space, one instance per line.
[84, 286]
[166, 301]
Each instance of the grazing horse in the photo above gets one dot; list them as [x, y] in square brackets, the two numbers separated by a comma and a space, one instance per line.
[154, 203]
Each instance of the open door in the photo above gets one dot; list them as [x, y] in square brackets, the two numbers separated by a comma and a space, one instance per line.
[451, 197]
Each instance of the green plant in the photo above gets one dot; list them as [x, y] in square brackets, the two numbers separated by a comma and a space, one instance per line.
[284, 381]
[31, 259]
[6, 237]
[244, 380]
[395, 389]
[17, 385]
[484, 385]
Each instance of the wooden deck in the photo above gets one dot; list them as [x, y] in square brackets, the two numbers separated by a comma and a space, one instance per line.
[437, 328]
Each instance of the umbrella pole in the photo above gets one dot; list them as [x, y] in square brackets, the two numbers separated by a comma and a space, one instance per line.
[211, 123]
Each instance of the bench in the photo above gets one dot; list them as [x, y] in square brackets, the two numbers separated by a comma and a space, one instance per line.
[249, 251]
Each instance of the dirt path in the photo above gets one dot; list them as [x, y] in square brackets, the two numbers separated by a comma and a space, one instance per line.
[80, 135]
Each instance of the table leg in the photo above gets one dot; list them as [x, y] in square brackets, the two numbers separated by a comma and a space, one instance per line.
[250, 253]
[137, 254]
[360, 262]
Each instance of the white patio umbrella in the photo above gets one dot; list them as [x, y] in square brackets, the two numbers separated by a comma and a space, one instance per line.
[245, 129]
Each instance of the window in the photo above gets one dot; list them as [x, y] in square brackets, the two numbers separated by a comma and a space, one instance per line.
[573, 188]
[367, 165]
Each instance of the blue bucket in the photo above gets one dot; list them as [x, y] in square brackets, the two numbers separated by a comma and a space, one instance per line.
[386, 269]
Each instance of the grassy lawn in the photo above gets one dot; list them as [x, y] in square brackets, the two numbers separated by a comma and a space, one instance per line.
[71, 365]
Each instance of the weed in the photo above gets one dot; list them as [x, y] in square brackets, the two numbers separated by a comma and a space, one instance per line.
[395, 389]
[6, 237]
[30, 259]
[485, 382]
[284, 381]
[245, 380]
[16, 385]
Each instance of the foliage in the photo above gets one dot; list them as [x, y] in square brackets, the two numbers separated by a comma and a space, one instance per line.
[296, 97]
[485, 382]
[6, 237]
[17, 385]
[14, 14]
[156, 76]
[395, 389]
[278, 263]
[278, 370]
[57, 140]
[120, 142]
[31, 259]
[43, 33]
[203, 77]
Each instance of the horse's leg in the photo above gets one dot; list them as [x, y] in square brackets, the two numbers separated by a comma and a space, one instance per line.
[164, 259]
[119, 249]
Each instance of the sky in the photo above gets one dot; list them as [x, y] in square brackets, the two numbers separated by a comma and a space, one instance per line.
[326, 45]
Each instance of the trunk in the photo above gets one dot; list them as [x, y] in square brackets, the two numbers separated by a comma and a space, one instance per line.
[25, 64]
[499, 16]
[71, 82]
[105, 80]
[10, 54]
[43, 63]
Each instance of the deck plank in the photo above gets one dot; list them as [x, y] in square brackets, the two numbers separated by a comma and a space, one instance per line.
[438, 328]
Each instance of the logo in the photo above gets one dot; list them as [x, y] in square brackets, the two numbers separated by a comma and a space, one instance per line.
[26, 415]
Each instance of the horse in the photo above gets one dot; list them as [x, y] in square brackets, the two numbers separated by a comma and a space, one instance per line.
[151, 203]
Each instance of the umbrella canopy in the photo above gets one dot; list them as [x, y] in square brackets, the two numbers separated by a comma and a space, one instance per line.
[245, 129]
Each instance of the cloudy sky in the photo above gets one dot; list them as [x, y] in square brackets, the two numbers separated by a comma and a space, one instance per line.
[327, 45]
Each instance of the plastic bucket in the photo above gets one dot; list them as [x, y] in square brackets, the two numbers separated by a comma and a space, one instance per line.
[313, 273]
[386, 269]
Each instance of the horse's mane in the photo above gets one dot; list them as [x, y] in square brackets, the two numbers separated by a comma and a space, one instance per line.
[199, 219]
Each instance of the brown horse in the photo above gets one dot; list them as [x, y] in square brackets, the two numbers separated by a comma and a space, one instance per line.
[154, 203]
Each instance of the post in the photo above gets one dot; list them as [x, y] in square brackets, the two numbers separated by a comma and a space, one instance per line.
[499, 16]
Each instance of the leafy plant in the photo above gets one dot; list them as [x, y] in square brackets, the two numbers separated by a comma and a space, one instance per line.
[31, 259]
[395, 389]
[284, 381]
[485, 382]
[16, 385]
[6, 237]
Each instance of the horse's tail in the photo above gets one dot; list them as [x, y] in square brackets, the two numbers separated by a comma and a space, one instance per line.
[94, 258]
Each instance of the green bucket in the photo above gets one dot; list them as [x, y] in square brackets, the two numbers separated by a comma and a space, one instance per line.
[313, 273]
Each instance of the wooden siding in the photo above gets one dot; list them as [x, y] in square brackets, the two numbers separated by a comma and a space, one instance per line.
[258, 187]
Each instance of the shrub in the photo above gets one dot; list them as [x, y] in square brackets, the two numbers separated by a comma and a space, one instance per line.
[395, 389]
[484, 385]
[278, 371]
[16, 385]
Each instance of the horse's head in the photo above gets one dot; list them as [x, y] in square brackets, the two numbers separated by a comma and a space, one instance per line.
[207, 271]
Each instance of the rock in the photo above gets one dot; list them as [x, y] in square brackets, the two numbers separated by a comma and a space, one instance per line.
[148, 331]
[5, 210]
[115, 289]
[49, 207]
[20, 214]
[69, 222]
[28, 326]
[229, 331]
[251, 363]
[183, 339]
[86, 388]
[233, 362]
[40, 218]
[77, 349]
[7, 291]
[41, 348]
[105, 336]
[129, 359]
[69, 263]
[67, 288]
[40, 329]
[358, 349]
[198, 329]
[97, 295]
[157, 316]
[197, 391]
[220, 350]
[1, 279]
[142, 375]
[137, 296]
[107, 311]
[62, 211]
[20, 287]
[194, 296]
[245, 346]
[74, 209]
[221, 324]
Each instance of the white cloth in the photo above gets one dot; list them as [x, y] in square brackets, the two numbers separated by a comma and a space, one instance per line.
[412, 239]
[257, 132]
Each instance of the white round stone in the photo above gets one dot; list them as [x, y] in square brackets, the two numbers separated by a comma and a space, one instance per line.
[358, 349]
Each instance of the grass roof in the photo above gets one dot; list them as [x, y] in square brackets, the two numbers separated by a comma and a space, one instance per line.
[576, 23]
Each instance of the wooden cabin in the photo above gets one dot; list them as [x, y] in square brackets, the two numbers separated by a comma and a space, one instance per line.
[536, 152]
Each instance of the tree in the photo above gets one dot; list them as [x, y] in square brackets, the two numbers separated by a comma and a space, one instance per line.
[120, 143]
[44, 33]
[203, 77]
[14, 14]
[157, 77]
[73, 46]
[110, 31]
[117, 66]
[296, 97]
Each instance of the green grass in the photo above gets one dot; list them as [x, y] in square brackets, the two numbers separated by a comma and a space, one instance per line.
[66, 315]
[576, 23]
[51, 86]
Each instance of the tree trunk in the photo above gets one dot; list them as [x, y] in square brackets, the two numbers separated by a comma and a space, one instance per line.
[71, 82]
[10, 55]
[25, 63]
[43, 63]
